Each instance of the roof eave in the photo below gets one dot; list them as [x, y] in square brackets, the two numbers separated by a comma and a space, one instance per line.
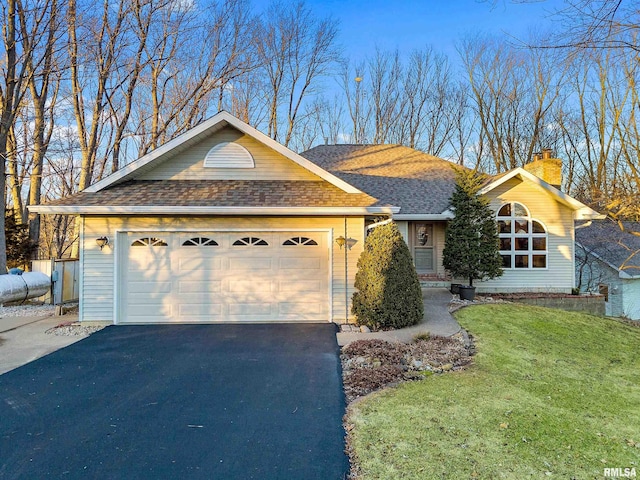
[424, 216]
[208, 210]
[621, 273]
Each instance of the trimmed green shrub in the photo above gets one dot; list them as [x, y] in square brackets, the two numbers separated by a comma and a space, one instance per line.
[389, 293]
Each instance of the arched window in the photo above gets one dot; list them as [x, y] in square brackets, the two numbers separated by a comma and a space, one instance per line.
[523, 240]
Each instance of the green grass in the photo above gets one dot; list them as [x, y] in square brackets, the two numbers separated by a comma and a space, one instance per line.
[551, 394]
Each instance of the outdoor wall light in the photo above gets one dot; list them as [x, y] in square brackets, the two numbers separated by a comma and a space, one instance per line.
[102, 242]
[349, 242]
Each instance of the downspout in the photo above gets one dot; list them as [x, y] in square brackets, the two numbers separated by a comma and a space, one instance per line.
[379, 224]
[584, 225]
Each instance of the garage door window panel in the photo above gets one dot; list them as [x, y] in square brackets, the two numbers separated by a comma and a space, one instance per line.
[297, 241]
[250, 242]
[200, 242]
[149, 242]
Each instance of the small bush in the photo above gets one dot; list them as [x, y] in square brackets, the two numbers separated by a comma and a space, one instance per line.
[389, 293]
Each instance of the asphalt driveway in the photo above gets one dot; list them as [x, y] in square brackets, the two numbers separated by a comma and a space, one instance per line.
[179, 401]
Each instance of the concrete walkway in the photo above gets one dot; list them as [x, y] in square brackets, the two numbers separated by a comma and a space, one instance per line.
[437, 321]
[22, 339]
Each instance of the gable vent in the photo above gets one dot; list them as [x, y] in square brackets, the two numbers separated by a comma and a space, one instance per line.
[228, 155]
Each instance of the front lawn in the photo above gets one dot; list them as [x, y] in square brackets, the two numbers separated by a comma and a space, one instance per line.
[551, 394]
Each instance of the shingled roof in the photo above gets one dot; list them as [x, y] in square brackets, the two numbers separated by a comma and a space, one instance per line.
[415, 181]
[219, 193]
[620, 249]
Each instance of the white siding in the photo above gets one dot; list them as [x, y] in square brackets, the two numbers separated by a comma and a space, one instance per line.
[631, 298]
[403, 226]
[98, 266]
[559, 275]
[189, 165]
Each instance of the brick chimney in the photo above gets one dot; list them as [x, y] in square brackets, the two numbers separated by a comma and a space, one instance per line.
[547, 168]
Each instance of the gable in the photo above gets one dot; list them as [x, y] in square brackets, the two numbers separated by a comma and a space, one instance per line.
[542, 205]
[190, 163]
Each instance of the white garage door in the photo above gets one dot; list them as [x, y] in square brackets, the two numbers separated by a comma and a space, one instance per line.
[223, 277]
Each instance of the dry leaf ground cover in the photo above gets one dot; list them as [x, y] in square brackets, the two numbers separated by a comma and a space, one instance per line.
[369, 365]
[550, 394]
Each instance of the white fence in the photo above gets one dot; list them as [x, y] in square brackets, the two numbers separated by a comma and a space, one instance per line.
[64, 275]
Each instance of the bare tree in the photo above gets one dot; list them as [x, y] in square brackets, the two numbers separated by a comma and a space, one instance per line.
[296, 50]
[13, 85]
[514, 93]
[182, 98]
[40, 33]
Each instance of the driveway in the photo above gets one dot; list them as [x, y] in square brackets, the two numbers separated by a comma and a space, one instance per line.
[179, 401]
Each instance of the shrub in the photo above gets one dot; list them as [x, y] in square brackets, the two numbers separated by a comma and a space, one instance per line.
[389, 293]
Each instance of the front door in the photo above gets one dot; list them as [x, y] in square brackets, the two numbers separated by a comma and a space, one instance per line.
[422, 247]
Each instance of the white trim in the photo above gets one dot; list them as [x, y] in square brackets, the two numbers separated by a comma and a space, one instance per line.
[581, 211]
[378, 224]
[196, 210]
[216, 230]
[446, 215]
[81, 274]
[173, 230]
[116, 272]
[126, 172]
[330, 247]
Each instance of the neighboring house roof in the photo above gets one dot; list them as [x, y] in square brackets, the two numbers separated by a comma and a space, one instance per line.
[218, 197]
[420, 184]
[617, 248]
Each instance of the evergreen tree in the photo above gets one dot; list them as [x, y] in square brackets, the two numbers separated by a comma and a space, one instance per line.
[472, 247]
[389, 293]
[20, 247]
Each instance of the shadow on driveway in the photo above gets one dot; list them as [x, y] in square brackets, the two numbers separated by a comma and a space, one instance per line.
[179, 401]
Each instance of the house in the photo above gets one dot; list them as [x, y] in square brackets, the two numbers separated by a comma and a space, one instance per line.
[608, 262]
[224, 224]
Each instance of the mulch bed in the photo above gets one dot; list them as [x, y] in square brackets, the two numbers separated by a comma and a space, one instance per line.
[370, 365]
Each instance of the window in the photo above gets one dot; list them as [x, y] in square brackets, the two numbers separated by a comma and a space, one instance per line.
[523, 240]
[300, 241]
[249, 241]
[200, 242]
[149, 242]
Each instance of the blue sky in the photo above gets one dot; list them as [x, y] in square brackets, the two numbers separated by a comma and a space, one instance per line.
[410, 24]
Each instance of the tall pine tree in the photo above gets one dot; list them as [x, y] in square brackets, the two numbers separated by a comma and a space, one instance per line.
[472, 247]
